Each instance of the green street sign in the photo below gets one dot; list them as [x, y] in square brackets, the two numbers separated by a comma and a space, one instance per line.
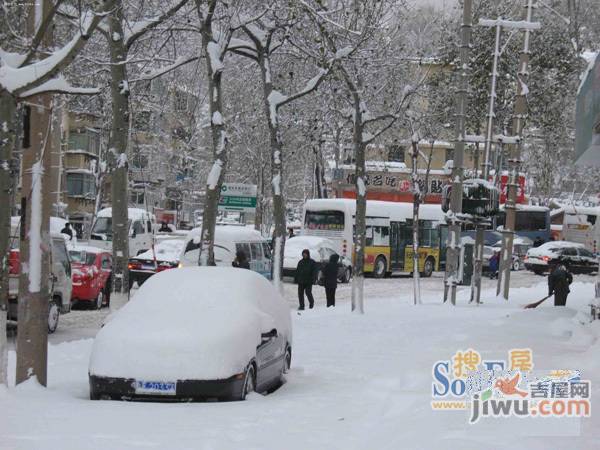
[238, 197]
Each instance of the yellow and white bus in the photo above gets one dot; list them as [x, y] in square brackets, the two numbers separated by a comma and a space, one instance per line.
[388, 233]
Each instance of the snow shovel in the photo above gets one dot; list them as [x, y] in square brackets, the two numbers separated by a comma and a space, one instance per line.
[538, 303]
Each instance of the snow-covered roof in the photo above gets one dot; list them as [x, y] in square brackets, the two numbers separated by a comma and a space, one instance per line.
[132, 213]
[552, 247]
[231, 233]
[309, 242]
[86, 248]
[573, 209]
[56, 223]
[532, 208]
[394, 210]
[210, 333]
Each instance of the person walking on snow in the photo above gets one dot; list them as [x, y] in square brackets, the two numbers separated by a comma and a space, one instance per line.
[494, 264]
[330, 278]
[559, 280]
[306, 274]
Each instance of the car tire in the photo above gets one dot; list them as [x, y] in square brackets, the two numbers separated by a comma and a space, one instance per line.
[379, 268]
[99, 301]
[249, 383]
[428, 267]
[516, 265]
[287, 360]
[53, 315]
[347, 275]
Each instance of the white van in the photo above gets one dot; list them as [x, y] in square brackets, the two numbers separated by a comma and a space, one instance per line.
[141, 227]
[230, 239]
[581, 224]
[60, 271]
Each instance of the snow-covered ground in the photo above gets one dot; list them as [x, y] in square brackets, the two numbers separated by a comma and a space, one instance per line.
[357, 382]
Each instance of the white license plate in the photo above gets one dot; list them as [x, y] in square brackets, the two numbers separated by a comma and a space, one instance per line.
[144, 387]
[148, 267]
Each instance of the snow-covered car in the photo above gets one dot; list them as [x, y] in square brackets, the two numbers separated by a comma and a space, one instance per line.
[230, 239]
[573, 255]
[520, 247]
[320, 250]
[91, 275]
[165, 256]
[227, 333]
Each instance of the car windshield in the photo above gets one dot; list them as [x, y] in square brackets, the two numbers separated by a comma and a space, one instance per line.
[103, 225]
[82, 257]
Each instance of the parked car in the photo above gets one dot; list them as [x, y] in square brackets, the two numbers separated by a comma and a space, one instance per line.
[165, 256]
[229, 239]
[91, 275]
[320, 250]
[573, 255]
[60, 286]
[227, 332]
[141, 225]
[520, 247]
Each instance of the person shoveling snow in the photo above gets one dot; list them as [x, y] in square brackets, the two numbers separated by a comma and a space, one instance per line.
[559, 280]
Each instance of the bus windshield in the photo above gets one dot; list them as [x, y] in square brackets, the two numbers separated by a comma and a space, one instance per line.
[324, 220]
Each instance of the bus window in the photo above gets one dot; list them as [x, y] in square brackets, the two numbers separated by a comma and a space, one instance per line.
[369, 236]
[381, 236]
[324, 220]
[530, 221]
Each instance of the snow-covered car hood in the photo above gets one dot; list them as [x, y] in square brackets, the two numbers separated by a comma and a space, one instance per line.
[214, 323]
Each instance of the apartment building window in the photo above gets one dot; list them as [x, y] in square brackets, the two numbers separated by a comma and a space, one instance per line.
[139, 161]
[396, 153]
[86, 140]
[81, 184]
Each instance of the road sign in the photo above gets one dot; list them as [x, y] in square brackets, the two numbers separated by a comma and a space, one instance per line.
[238, 197]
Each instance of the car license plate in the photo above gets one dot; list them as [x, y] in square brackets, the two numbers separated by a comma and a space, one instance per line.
[143, 387]
[148, 267]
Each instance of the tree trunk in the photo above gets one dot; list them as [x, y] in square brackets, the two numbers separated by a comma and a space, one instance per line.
[415, 225]
[35, 246]
[117, 153]
[7, 137]
[279, 210]
[358, 281]
[216, 176]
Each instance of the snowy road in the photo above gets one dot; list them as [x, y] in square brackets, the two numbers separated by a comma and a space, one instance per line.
[358, 382]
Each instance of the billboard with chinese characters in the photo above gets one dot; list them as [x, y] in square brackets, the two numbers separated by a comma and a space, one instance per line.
[390, 185]
[238, 197]
[520, 189]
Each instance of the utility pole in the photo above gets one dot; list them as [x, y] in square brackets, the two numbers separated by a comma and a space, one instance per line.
[35, 241]
[518, 123]
[485, 166]
[453, 248]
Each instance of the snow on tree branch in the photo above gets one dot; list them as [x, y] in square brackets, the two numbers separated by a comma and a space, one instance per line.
[141, 27]
[59, 85]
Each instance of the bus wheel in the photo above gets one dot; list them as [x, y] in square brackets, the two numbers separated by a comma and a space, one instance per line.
[428, 267]
[380, 267]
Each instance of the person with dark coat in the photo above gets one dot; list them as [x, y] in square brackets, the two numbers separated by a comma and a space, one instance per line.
[68, 231]
[240, 261]
[538, 241]
[494, 264]
[330, 278]
[164, 228]
[306, 274]
[559, 280]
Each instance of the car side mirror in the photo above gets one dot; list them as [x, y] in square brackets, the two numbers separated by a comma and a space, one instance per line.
[269, 335]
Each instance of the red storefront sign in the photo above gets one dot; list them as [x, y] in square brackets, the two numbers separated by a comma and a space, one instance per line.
[520, 189]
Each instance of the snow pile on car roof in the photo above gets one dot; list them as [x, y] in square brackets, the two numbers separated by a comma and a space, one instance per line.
[190, 323]
[551, 248]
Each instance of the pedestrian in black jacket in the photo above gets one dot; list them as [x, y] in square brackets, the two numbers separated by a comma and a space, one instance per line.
[240, 260]
[559, 280]
[306, 274]
[330, 278]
